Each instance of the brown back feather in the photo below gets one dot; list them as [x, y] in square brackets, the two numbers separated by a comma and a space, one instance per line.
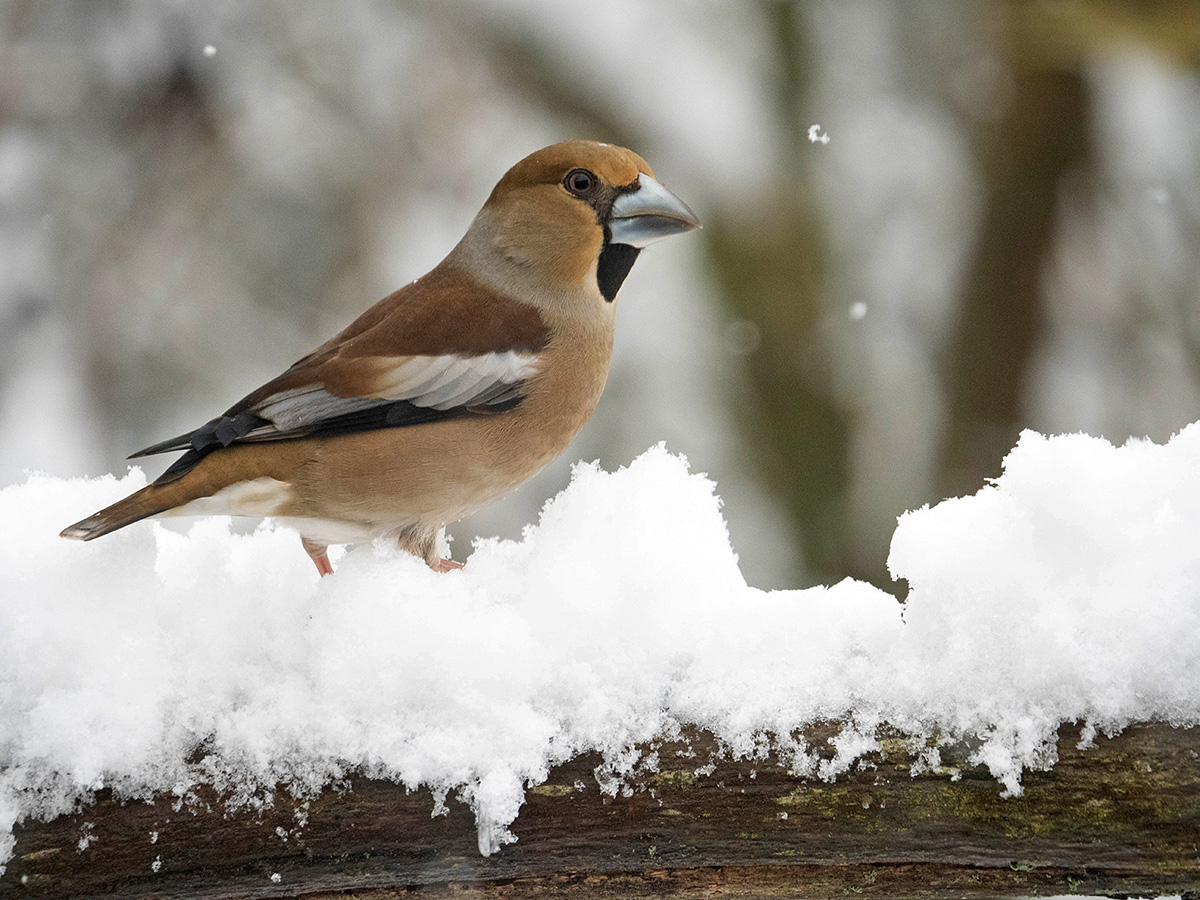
[446, 311]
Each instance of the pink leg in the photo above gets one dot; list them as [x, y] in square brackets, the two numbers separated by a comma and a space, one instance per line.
[317, 553]
[422, 543]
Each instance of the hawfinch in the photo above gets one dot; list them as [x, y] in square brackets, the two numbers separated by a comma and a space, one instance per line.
[447, 394]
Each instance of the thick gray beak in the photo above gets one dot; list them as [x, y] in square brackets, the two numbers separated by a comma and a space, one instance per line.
[649, 214]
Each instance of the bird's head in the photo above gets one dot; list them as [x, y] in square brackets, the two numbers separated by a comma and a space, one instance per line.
[575, 215]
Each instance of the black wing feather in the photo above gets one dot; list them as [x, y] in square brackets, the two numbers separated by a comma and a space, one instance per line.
[226, 430]
[223, 431]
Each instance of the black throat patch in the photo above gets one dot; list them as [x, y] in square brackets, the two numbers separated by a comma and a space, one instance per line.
[615, 262]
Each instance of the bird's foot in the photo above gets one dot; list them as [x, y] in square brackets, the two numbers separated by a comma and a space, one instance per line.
[317, 554]
[446, 565]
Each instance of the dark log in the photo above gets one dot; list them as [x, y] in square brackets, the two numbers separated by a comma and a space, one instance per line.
[1120, 818]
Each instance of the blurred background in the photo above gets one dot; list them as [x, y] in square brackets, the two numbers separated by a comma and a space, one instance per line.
[1001, 231]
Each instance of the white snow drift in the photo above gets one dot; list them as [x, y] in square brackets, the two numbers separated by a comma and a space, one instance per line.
[1068, 591]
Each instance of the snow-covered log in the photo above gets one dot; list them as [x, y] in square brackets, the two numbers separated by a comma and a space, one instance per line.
[1122, 817]
[172, 672]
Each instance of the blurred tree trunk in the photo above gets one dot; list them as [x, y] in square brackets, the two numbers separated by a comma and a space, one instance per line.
[772, 274]
[1027, 160]
[1041, 138]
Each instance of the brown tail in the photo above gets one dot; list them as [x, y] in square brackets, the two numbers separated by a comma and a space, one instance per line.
[149, 501]
[216, 471]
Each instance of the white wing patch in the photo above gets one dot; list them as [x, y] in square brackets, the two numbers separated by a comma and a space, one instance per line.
[435, 382]
[303, 406]
[443, 382]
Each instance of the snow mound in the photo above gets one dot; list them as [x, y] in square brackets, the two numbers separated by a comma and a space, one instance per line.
[1067, 591]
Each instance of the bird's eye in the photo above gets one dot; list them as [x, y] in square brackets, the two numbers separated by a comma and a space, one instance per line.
[579, 181]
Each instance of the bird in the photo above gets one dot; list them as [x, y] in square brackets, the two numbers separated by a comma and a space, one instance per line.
[445, 395]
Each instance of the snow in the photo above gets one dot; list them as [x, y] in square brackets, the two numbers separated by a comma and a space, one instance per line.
[1066, 591]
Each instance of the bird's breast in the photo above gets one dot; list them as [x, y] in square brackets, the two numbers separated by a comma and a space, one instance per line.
[565, 391]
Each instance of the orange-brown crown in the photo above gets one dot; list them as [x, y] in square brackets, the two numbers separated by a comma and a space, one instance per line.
[614, 165]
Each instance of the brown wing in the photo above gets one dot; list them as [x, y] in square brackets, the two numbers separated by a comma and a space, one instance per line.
[446, 312]
[442, 347]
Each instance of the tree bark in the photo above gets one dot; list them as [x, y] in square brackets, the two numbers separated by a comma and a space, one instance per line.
[1122, 817]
